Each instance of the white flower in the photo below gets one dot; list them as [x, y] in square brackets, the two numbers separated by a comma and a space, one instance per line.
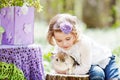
[27, 28]
[24, 9]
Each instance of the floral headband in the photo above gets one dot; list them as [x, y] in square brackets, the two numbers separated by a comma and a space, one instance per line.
[65, 27]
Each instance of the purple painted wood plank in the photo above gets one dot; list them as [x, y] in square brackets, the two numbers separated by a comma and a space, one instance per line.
[18, 23]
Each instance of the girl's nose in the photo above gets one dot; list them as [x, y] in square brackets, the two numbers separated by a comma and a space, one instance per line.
[64, 43]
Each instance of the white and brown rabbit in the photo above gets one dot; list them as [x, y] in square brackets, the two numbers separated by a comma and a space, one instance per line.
[63, 63]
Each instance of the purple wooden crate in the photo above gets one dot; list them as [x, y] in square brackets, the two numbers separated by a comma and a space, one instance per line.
[18, 23]
[0, 19]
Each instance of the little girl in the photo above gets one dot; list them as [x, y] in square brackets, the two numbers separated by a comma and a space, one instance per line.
[93, 59]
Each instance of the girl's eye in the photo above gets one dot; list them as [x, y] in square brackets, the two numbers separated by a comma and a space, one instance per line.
[56, 59]
[59, 40]
[68, 38]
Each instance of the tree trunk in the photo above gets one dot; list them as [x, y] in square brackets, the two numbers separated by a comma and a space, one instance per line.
[96, 13]
[66, 77]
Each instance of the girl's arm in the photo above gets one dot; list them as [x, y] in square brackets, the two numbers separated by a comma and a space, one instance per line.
[85, 59]
[84, 66]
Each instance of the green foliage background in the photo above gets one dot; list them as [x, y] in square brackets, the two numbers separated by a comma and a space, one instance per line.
[31, 3]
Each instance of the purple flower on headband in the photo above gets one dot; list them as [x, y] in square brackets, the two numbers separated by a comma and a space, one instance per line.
[66, 27]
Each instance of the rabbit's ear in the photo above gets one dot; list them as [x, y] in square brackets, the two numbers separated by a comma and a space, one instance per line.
[52, 55]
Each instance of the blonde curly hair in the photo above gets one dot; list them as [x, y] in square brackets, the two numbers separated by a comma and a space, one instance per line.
[57, 20]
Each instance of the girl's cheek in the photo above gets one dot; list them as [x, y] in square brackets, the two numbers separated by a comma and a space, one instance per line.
[59, 44]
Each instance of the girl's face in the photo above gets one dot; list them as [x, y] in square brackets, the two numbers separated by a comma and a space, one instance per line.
[65, 41]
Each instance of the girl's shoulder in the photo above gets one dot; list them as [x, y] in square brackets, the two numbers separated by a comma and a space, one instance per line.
[92, 44]
[85, 40]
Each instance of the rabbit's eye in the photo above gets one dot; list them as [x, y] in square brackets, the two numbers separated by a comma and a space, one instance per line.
[56, 59]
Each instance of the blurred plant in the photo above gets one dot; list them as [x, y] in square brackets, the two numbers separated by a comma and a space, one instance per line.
[47, 60]
[116, 24]
[116, 52]
[29, 3]
[1, 29]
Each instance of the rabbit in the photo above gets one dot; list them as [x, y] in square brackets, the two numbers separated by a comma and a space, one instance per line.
[63, 63]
